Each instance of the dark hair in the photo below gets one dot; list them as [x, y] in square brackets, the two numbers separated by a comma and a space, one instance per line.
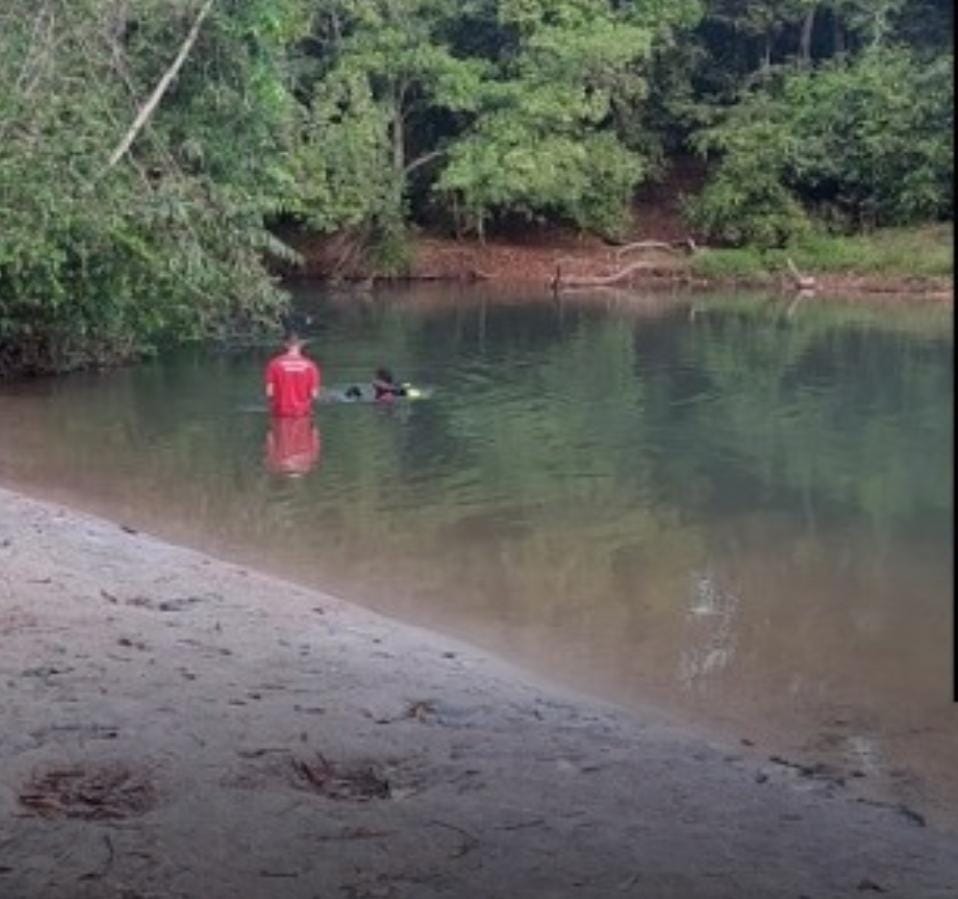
[384, 374]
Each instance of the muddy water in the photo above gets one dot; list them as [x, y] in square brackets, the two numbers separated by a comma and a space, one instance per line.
[730, 507]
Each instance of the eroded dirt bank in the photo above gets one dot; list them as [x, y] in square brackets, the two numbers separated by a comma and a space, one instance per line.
[586, 260]
[175, 726]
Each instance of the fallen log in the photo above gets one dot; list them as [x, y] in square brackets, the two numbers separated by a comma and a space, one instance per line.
[801, 282]
[687, 246]
[559, 283]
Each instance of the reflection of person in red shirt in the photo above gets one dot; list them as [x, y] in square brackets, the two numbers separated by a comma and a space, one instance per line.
[292, 445]
[292, 381]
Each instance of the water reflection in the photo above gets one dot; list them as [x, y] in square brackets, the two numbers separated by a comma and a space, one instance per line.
[742, 514]
[293, 446]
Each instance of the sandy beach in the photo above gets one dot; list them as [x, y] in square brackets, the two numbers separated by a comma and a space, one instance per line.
[177, 726]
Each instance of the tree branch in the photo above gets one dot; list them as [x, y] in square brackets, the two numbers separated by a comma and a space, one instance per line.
[644, 245]
[559, 282]
[161, 86]
[802, 282]
[421, 161]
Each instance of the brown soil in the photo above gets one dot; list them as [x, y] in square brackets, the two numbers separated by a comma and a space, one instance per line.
[536, 260]
[442, 259]
[532, 258]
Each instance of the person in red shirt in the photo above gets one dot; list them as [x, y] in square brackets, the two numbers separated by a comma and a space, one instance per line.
[292, 381]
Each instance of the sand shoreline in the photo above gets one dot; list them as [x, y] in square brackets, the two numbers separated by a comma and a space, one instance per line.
[178, 726]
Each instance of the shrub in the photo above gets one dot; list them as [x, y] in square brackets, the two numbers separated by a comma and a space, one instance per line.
[866, 143]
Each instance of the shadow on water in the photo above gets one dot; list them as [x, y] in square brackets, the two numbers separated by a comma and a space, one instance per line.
[706, 503]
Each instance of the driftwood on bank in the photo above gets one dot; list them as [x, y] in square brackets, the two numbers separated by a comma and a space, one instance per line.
[800, 281]
[687, 246]
[559, 282]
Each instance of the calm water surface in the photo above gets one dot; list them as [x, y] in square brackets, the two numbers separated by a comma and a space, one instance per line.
[733, 509]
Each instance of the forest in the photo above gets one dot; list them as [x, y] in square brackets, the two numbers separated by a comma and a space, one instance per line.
[150, 150]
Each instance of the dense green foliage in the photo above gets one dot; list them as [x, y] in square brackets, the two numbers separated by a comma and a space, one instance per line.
[98, 261]
[863, 143]
[361, 117]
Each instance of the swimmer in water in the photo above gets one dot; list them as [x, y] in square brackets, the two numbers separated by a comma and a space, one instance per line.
[385, 386]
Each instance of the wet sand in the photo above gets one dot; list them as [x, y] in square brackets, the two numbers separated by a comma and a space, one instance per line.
[176, 726]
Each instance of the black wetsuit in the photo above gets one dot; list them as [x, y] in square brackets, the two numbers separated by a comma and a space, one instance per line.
[380, 389]
[387, 388]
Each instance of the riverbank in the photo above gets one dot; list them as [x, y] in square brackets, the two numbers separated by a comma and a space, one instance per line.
[903, 261]
[178, 726]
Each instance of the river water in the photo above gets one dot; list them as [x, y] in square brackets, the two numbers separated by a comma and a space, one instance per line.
[733, 508]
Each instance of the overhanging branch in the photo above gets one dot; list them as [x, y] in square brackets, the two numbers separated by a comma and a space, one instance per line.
[147, 109]
[422, 160]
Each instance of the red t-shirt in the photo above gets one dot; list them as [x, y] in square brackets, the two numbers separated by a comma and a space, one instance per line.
[294, 379]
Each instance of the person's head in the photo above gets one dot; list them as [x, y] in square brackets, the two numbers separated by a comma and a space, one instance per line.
[294, 343]
[384, 374]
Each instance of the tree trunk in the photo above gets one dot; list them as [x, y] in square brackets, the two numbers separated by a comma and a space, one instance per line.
[838, 35]
[805, 44]
[399, 128]
[456, 217]
[767, 52]
[399, 150]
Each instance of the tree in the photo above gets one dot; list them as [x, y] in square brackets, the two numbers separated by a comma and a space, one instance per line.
[488, 107]
[99, 262]
[864, 143]
[543, 141]
[870, 20]
[385, 71]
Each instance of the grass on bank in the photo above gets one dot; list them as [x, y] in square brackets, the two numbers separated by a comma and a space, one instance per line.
[925, 251]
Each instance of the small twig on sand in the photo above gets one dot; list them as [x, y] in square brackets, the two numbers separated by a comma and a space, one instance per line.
[535, 822]
[469, 843]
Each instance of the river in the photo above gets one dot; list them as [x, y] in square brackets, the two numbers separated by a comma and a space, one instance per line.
[730, 507]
